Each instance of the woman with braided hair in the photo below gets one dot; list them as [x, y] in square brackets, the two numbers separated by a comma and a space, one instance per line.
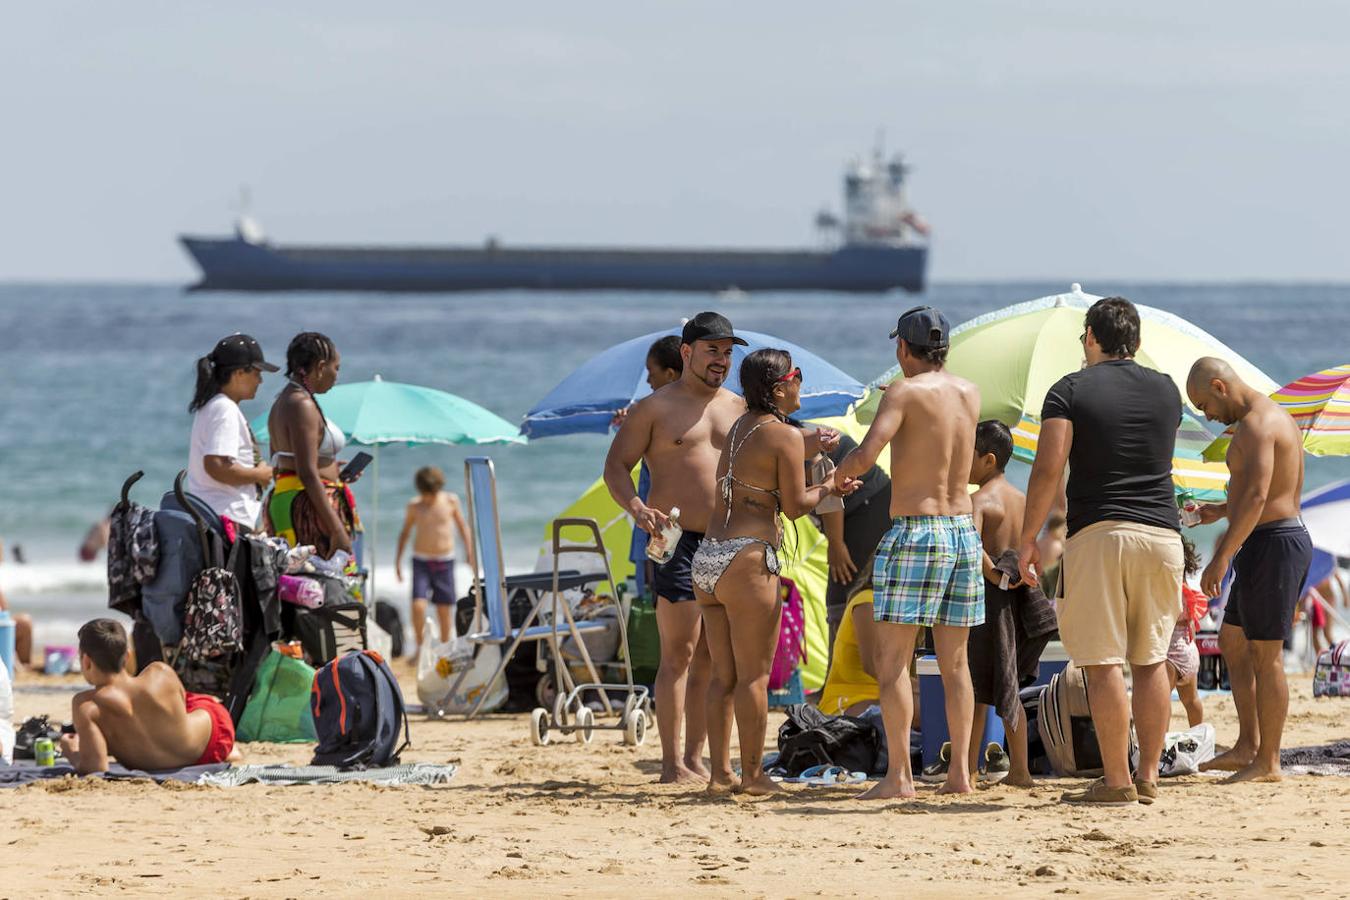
[310, 504]
[761, 476]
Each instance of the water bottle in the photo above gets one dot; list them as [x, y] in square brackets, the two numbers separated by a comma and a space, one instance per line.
[1190, 510]
[661, 547]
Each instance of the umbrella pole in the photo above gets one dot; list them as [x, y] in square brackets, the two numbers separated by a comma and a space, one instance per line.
[374, 526]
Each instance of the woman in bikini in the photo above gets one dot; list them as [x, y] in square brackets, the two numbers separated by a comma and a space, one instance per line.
[761, 475]
[305, 448]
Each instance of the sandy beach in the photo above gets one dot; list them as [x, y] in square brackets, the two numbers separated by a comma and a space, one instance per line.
[573, 820]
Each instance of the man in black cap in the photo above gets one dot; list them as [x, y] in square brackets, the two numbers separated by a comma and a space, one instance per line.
[679, 430]
[927, 571]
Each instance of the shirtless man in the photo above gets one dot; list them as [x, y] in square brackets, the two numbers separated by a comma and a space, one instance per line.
[148, 722]
[1268, 547]
[927, 569]
[679, 431]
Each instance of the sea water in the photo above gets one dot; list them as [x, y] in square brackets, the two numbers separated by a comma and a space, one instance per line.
[95, 381]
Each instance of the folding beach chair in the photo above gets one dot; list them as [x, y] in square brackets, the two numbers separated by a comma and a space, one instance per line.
[493, 588]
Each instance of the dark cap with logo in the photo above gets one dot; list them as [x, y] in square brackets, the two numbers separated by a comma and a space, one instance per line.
[240, 351]
[923, 326]
[709, 326]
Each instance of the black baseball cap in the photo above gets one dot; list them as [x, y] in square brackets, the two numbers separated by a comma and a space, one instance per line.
[240, 351]
[923, 326]
[709, 326]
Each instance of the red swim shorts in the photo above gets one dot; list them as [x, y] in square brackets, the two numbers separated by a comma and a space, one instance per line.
[221, 742]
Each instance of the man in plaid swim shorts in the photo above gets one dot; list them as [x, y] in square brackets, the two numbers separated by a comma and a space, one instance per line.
[927, 570]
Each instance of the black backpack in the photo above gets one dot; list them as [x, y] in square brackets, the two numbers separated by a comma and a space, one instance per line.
[358, 708]
[388, 618]
[327, 632]
[809, 737]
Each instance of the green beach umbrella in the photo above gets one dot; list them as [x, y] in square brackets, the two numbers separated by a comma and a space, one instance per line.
[390, 412]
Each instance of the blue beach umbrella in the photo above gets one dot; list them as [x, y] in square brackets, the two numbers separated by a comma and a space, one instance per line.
[586, 400]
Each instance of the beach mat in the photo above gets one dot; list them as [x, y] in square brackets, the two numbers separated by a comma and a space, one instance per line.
[408, 774]
[1328, 759]
[28, 772]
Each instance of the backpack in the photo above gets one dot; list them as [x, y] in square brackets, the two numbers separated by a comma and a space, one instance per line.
[791, 637]
[809, 737]
[357, 706]
[330, 631]
[1331, 677]
[1064, 724]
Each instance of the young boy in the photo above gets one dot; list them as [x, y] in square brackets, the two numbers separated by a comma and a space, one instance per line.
[432, 513]
[1018, 620]
[146, 722]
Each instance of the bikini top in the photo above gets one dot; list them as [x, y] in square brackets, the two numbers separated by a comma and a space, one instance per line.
[728, 482]
[330, 444]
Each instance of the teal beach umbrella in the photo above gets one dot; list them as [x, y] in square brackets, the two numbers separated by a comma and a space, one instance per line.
[378, 412]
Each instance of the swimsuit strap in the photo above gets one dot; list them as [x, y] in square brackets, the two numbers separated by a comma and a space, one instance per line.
[729, 480]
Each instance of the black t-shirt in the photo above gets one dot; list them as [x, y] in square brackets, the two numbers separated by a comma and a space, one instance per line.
[874, 480]
[1125, 420]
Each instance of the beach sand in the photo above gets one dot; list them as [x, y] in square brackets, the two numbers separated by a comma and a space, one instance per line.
[571, 819]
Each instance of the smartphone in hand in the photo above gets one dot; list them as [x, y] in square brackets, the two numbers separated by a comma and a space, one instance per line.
[356, 466]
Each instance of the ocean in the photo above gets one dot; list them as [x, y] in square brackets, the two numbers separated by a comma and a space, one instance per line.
[95, 380]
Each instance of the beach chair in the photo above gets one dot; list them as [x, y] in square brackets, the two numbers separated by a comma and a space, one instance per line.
[492, 590]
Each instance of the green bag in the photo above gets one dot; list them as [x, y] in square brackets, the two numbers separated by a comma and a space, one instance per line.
[278, 710]
[644, 641]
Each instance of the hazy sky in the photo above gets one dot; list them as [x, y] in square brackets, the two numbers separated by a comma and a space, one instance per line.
[1058, 139]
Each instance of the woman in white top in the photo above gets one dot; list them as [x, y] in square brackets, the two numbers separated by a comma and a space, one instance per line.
[223, 465]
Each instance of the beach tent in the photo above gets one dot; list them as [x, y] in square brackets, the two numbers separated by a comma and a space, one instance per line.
[805, 558]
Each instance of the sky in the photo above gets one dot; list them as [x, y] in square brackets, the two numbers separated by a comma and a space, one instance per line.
[1051, 140]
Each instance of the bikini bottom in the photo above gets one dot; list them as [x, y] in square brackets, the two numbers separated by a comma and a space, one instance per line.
[713, 557]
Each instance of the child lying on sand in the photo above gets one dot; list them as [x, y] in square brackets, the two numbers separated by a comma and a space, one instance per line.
[148, 721]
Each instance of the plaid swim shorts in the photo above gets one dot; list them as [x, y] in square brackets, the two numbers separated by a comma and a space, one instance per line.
[927, 572]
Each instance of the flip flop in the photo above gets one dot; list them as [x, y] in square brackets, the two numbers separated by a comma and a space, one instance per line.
[827, 776]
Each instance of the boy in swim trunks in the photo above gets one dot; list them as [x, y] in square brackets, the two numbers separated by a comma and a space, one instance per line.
[927, 568]
[147, 722]
[435, 515]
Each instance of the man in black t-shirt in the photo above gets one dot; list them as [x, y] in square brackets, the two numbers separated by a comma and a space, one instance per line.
[853, 535]
[1115, 424]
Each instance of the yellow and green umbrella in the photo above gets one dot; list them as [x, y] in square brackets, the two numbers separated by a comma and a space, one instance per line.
[1017, 353]
[1320, 405]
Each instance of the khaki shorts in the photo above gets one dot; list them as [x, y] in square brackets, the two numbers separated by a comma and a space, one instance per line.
[1121, 593]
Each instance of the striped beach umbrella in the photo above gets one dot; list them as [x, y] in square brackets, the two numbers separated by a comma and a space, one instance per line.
[1207, 481]
[1320, 404]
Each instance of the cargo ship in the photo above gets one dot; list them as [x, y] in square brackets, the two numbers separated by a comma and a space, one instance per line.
[879, 244]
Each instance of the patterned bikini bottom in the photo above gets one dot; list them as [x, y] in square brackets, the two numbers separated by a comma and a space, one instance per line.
[713, 556]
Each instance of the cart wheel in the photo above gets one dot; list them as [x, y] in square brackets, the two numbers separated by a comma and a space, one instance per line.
[545, 691]
[629, 708]
[635, 730]
[539, 726]
[585, 725]
[561, 719]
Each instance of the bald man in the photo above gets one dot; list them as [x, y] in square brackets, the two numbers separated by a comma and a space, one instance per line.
[1270, 552]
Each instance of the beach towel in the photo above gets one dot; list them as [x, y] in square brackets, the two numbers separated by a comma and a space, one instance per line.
[133, 556]
[29, 772]
[1005, 650]
[407, 774]
[1328, 759]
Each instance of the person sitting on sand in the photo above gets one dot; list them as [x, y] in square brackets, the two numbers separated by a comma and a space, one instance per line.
[1183, 657]
[927, 569]
[148, 721]
[1004, 651]
[434, 514]
[762, 474]
[1270, 552]
[851, 685]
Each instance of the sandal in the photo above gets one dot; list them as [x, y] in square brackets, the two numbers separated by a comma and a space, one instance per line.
[1098, 794]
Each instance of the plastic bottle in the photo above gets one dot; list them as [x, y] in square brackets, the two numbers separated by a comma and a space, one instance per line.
[304, 592]
[661, 548]
[1190, 510]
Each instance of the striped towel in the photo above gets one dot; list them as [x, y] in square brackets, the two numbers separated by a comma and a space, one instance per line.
[410, 773]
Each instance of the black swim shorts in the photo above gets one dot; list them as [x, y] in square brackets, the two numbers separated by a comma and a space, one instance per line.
[1269, 571]
[674, 580]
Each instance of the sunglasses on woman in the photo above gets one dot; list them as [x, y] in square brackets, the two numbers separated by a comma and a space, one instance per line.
[794, 374]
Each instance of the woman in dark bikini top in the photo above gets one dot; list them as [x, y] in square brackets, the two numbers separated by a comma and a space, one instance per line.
[762, 474]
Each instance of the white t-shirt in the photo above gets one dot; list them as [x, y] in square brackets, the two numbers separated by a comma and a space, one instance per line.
[220, 429]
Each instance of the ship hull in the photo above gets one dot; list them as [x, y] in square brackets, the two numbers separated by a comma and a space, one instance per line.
[232, 264]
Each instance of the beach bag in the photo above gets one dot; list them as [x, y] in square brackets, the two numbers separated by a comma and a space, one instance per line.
[453, 676]
[1184, 751]
[278, 709]
[644, 640]
[329, 631]
[1331, 676]
[809, 737]
[791, 637]
[358, 712]
[1064, 723]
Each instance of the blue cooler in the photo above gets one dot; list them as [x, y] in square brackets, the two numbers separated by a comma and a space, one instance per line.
[932, 701]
